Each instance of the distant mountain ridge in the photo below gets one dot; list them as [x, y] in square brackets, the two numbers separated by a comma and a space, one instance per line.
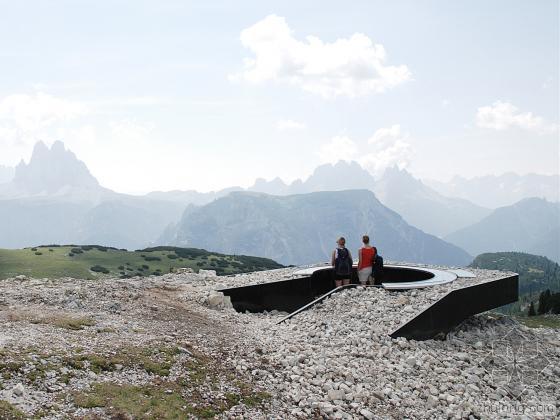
[342, 175]
[500, 190]
[422, 206]
[55, 199]
[54, 172]
[419, 204]
[303, 228]
[49, 170]
[531, 225]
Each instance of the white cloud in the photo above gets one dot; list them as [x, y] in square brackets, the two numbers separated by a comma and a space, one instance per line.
[130, 132]
[503, 115]
[351, 67]
[284, 125]
[27, 118]
[385, 148]
[30, 113]
[388, 147]
[338, 148]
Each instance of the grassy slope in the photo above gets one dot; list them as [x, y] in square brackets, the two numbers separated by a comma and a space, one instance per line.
[56, 262]
[540, 321]
[536, 274]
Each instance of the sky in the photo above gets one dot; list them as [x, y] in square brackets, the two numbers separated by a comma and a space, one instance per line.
[163, 95]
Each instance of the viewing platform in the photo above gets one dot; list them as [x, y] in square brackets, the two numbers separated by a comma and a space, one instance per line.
[461, 294]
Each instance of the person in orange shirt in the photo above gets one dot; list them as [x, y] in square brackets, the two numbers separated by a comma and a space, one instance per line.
[365, 262]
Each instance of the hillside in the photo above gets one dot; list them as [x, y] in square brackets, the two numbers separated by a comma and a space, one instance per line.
[536, 274]
[77, 261]
[423, 207]
[527, 226]
[418, 204]
[302, 229]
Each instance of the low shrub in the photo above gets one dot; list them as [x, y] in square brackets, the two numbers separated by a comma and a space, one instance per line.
[10, 412]
[100, 269]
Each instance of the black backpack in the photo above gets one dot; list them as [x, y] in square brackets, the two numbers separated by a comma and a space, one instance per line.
[378, 267]
[342, 263]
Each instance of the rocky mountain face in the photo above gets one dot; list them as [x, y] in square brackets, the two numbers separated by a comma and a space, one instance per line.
[532, 225]
[423, 207]
[340, 176]
[55, 199]
[301, 229]
[51, 171]
[501, 190]
[420, 205]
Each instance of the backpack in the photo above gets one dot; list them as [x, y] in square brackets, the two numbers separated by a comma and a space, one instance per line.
[342, 263]
[374, 258]
[377, 267]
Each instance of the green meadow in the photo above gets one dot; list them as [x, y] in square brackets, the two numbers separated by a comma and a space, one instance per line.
[94, 261]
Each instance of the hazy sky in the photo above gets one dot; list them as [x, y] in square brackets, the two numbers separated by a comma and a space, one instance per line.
[179, 95]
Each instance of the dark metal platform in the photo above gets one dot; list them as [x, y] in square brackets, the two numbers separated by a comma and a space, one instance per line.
[290, 295]
[458, 305]
[298, 294]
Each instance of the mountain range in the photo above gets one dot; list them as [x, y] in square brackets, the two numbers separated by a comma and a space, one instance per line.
[303, 228]
[55, 199]
[532, 225]
[419, 204]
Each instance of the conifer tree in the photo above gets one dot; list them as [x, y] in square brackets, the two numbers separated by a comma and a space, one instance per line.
[531, 310]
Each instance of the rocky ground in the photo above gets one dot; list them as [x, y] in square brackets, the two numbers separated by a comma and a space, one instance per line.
[169, 347]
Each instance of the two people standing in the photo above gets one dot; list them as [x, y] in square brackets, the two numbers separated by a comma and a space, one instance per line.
[342, 262]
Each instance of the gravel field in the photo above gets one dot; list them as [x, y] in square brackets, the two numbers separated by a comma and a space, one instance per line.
[170, 347]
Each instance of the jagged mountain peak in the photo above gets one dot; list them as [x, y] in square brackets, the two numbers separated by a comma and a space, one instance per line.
[51, 170]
